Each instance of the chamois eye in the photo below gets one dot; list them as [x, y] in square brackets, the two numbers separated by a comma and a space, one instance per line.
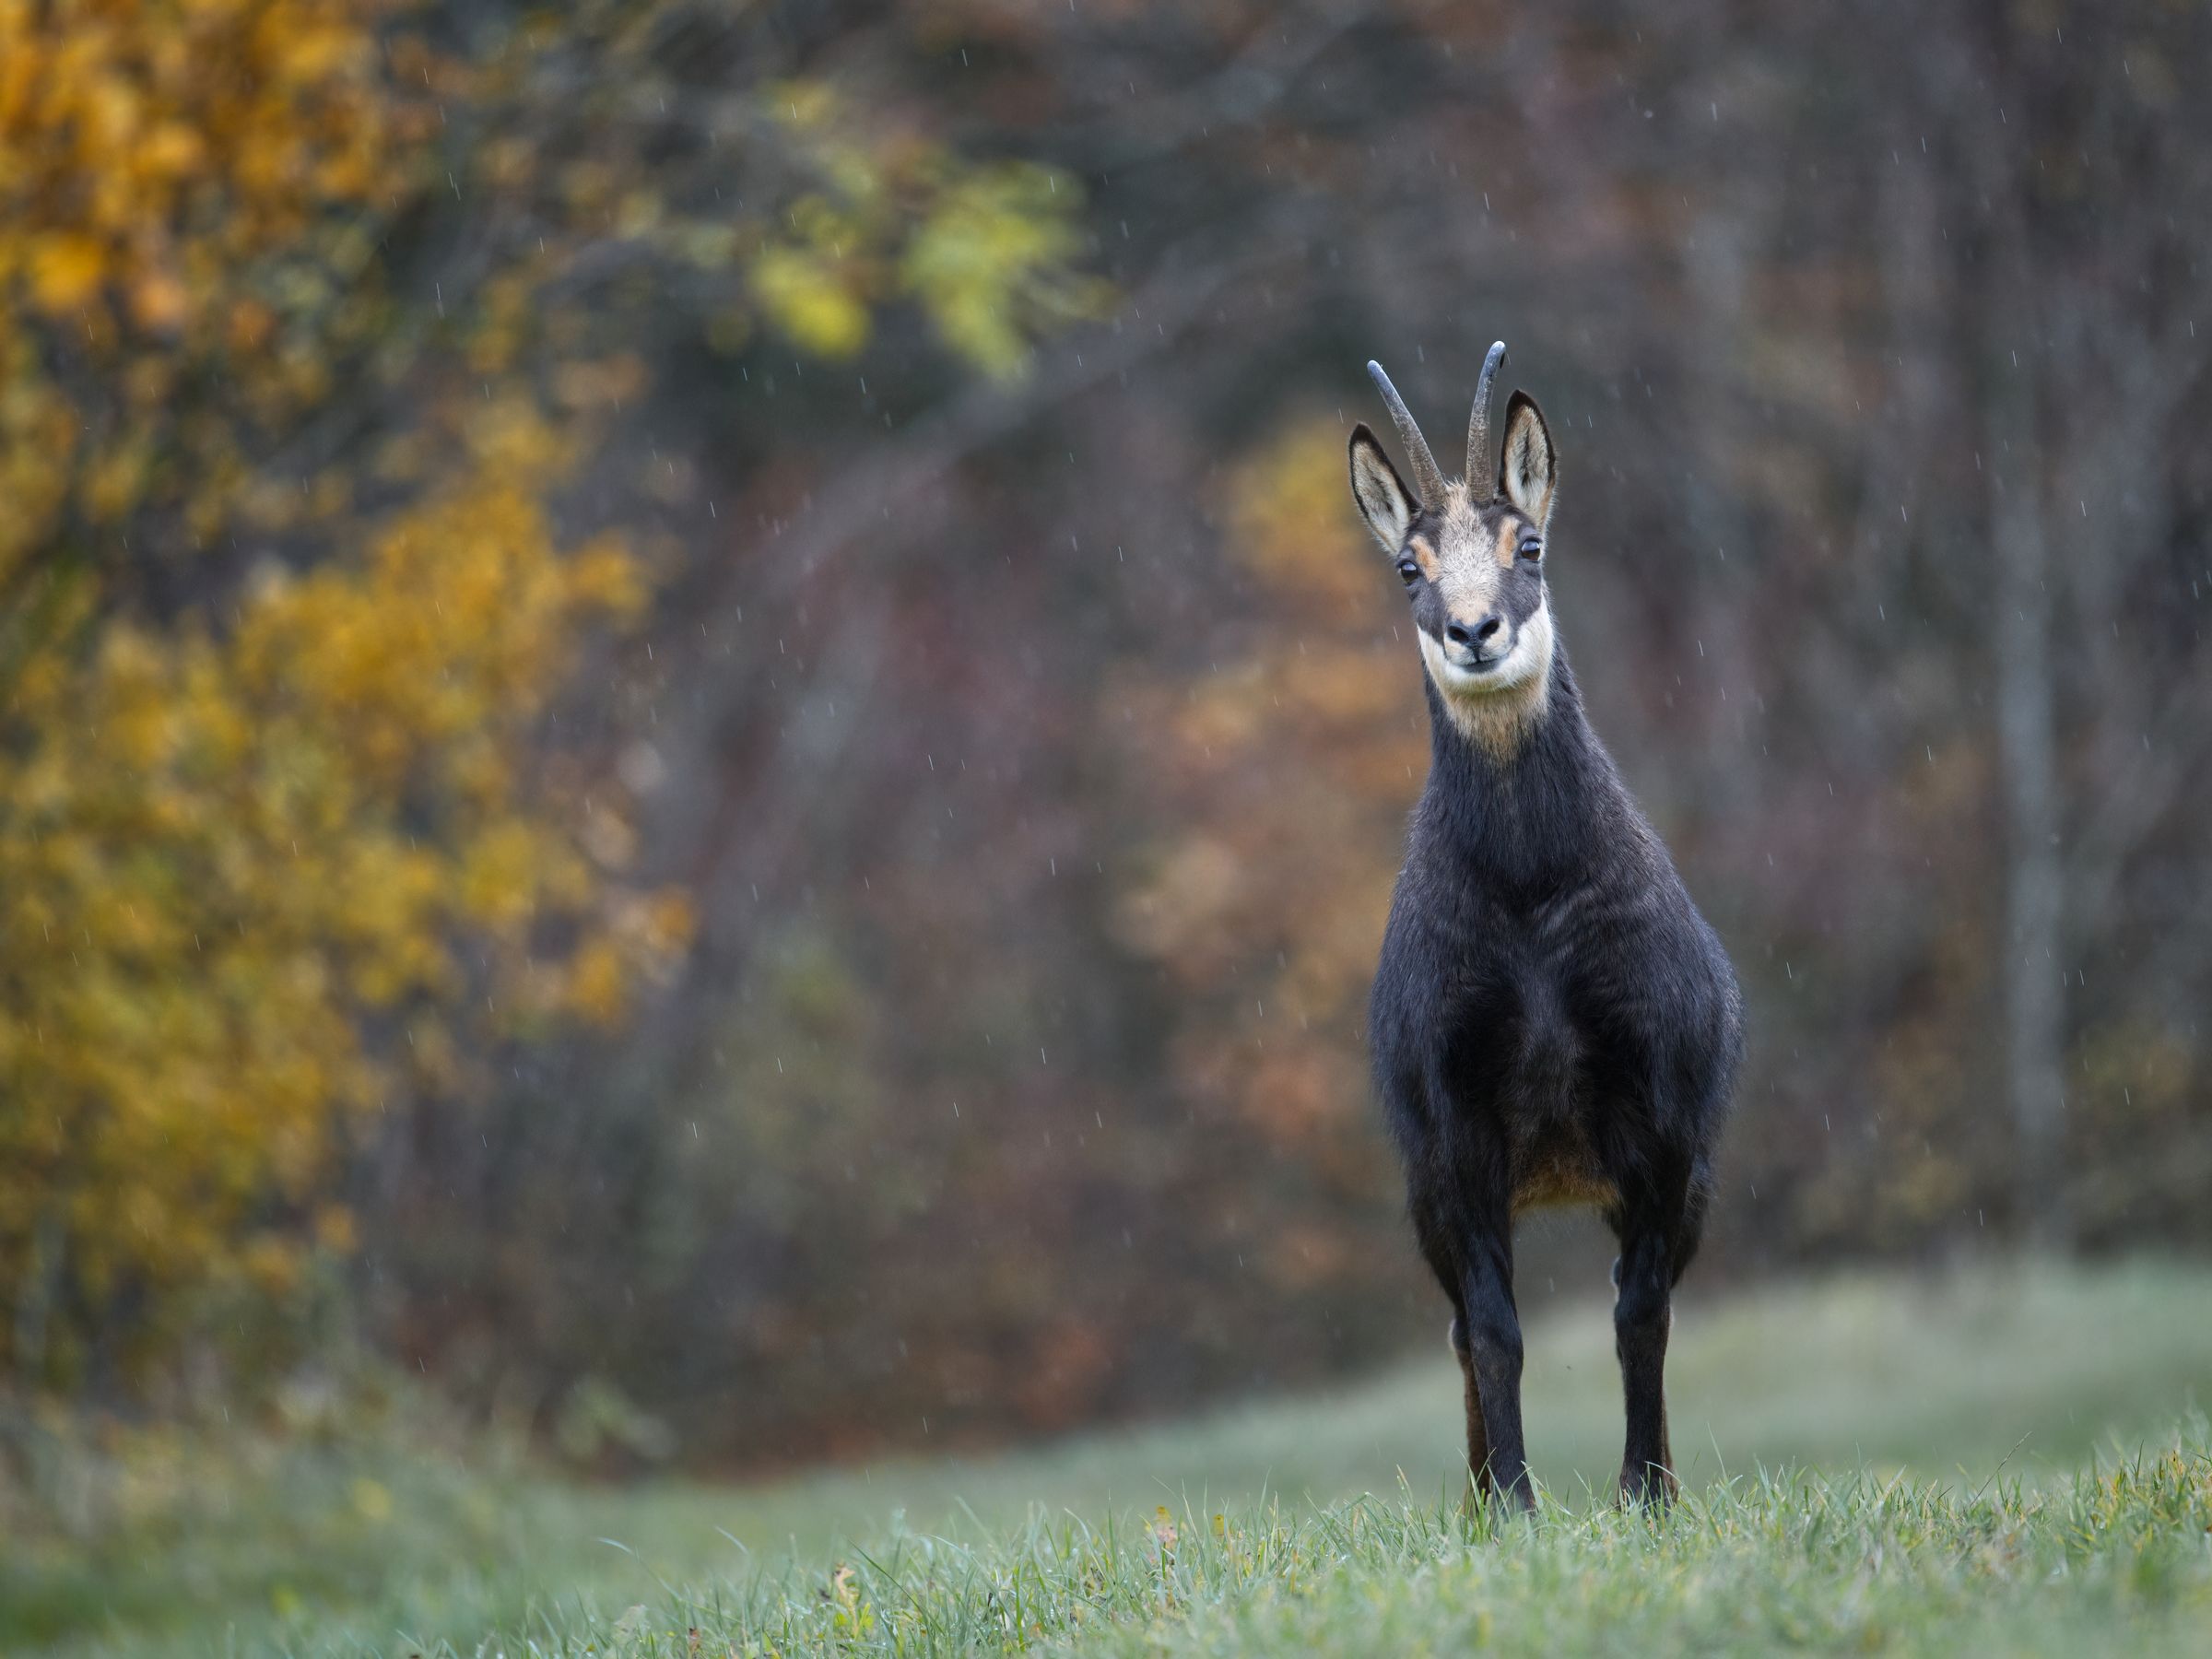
[1532, 546]
[1408, 572]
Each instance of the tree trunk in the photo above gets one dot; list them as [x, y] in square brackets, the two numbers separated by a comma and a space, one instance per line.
[2035, 1000]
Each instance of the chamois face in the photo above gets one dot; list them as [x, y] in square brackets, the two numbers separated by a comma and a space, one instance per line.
[1472, 562]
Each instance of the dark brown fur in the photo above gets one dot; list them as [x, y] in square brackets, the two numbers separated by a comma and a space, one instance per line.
[1552, 1021]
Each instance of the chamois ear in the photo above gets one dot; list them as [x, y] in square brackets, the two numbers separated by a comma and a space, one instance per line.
[1383, 501]
[1527, 471]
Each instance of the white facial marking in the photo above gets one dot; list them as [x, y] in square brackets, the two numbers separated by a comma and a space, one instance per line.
[1526, 658]
[1495, 708]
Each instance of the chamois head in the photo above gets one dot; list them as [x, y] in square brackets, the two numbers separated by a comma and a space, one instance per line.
[1470, 552]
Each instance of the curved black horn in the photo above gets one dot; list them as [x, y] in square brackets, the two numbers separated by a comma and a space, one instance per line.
[1479, 424]
[1428, 477]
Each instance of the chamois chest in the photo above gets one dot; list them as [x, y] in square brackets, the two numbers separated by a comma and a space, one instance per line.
[1487, 977]
[1514, 1004]
[1491, 1027]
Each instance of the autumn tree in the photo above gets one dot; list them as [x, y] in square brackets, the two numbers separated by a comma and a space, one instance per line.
[310, 311]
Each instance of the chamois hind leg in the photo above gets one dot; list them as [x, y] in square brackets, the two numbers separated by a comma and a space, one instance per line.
[1493, 1331]
[1480, 1486]
[1658, 1229]
[1438, 1247]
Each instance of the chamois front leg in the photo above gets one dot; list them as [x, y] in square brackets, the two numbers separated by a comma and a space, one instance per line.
[1493, 1331]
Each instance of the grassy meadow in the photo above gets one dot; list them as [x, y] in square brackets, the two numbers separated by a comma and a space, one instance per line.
[1991, 1460]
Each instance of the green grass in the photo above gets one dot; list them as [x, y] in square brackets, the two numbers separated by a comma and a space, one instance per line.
[1992, 1461]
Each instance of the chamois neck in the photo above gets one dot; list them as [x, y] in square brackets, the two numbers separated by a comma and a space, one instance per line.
[1525, 816]
[1495, 743]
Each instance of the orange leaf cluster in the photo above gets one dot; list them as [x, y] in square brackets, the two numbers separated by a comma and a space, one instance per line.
[239, 858]
[185, 189]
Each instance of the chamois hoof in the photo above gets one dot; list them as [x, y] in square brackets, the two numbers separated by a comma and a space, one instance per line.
[1503, 1505]
[1653, 1487]
[1484, 1492]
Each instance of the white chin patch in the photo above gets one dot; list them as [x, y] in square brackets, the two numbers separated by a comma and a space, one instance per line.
[1529, 657]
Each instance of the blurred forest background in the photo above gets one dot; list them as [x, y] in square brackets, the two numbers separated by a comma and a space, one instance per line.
[694, 734]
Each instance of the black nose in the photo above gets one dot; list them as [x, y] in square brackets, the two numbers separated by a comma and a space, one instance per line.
[1476, 634]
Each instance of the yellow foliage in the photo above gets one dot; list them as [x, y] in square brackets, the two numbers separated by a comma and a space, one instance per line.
[812, 299]
[228, 851]
[64, 270]
[1289, 511]
[195, 194]
[155, 156]
[987, 251]
[278, 857]
[992, 261]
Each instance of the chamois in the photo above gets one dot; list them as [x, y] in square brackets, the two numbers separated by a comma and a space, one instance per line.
[1552, 1021]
